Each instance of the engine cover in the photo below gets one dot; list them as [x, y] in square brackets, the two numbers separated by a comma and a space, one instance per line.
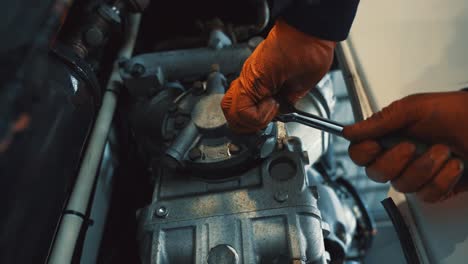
[268, 214]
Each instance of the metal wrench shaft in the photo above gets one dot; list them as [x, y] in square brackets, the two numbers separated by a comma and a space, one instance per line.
[313, 121]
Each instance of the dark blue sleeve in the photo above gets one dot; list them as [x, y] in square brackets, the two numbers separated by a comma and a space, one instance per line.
[326, 19]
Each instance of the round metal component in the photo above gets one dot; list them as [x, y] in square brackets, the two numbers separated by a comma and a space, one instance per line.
[161, 212]
[207, 114]
[281, 196]
[223, 254]
[194, 154]
[94, 36]
[282, 169]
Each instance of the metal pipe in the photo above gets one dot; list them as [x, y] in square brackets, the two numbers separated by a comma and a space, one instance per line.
[189, 63]
[70, 226]
[176, 152]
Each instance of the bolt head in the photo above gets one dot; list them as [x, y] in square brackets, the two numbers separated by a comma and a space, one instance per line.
[161, 212]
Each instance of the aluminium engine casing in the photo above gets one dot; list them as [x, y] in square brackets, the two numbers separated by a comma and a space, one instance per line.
[268, 214]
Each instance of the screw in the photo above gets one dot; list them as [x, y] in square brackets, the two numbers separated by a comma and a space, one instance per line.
[194, 154]
[233, 149]
[137, 70]
[281, 196]
[161, 212]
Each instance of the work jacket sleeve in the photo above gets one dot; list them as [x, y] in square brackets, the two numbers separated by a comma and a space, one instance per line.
[325, 19]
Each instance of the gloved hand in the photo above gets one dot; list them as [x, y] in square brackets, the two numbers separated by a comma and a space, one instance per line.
[287, 61]
[439, 120]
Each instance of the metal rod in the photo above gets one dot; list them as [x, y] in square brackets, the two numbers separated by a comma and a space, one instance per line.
[315, 122]
[70, 225]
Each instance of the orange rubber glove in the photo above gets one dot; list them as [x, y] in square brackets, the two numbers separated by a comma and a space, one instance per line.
[288, 61]
[439, 120]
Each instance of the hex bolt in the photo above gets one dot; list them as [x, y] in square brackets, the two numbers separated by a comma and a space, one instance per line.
[161, 212]
[233, 149]
[137, 70]
[281, 196]
[194, 154]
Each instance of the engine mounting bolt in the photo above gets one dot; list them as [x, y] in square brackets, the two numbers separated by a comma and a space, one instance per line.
[194, 154]
[162, 211]
[281, 196]
[233, 149]
[179, 122]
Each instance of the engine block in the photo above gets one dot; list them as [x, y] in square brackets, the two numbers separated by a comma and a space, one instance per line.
[267, 215]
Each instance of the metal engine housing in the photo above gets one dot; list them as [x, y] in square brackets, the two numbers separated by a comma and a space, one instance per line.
[267, 215]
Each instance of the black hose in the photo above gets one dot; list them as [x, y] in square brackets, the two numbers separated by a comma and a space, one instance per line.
[406, 241]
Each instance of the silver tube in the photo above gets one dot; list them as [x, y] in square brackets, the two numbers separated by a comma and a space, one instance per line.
[189, 63]
[70, 226]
